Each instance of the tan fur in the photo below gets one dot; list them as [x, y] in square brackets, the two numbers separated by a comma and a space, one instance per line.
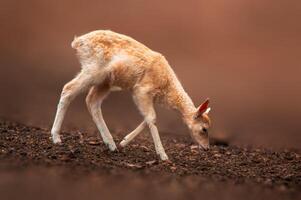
[111, 60]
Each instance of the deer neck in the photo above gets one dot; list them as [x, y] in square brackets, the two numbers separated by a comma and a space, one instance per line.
[181, 101]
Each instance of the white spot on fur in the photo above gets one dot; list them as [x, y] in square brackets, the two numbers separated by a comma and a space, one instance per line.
[120, 57]
[207, 111]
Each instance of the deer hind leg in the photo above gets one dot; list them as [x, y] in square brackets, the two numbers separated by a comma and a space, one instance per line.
[144, 101]
[79, 84]
[94, 100]
[128, 138]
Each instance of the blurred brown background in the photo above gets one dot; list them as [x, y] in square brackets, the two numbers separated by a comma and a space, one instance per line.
[244, 55]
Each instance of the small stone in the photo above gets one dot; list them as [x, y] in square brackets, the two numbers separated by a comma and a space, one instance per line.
[144, 148]
[194, 151]
[93, 142]
[217, 155]
[65, 158]
[192, 147]
[133, 165]
[151, 162]
[173, 168]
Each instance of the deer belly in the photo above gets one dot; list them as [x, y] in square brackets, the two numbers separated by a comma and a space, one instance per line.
[124, 77]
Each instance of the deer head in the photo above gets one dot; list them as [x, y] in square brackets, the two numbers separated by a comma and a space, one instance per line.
[200, 125]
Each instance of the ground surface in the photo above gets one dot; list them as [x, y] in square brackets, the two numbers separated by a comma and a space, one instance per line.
[32, 167]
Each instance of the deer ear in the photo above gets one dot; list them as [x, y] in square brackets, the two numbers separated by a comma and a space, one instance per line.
[203, 108]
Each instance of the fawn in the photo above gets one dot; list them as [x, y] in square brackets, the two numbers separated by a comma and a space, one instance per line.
[112, 61]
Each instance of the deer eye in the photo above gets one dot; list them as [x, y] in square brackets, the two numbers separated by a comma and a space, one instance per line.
[204, 130]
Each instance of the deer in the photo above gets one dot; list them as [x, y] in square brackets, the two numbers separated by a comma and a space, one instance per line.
[111, 62]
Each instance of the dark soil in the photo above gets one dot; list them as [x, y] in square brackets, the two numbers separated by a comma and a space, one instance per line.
[82, 167]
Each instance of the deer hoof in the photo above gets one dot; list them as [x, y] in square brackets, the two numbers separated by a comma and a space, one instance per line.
[56, 140]
[164, 157]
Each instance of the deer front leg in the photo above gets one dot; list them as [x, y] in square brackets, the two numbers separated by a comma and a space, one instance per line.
[128, 138]
[158, 144]
[94, 100]
[144, 101]
[79, 84]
